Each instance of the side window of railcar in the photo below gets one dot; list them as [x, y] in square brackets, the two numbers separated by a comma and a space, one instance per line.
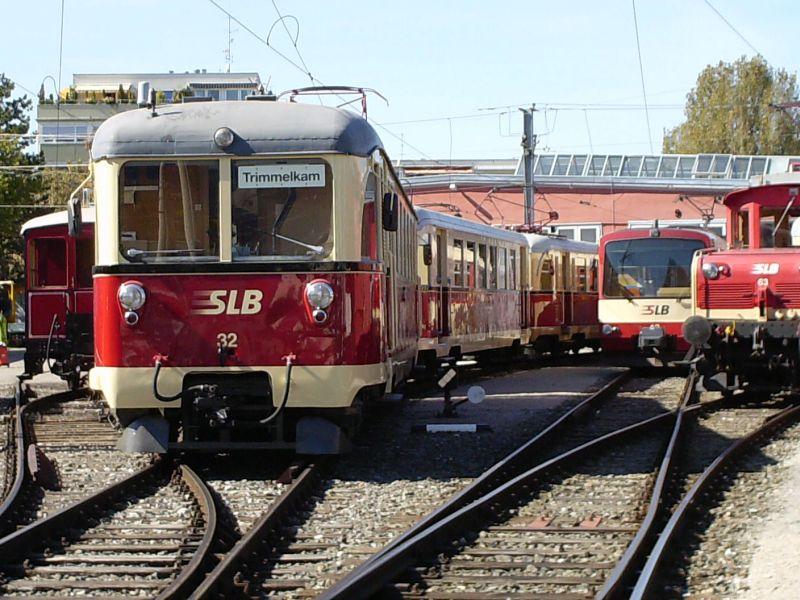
[482, 266]
[458, 260]
[369, 224]
[49, 265]
[512, 269]
[547, 273]
[469, 264]
[424, 271]
[581, 275]
[501, 268]
[492, 267]
[593, 276]
[84, 260]
[281, 209]
[169, 211]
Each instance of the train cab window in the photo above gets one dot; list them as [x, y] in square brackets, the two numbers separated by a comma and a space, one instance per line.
[369, 224]
[84, 261]
[502, 259]
[469, 264]
[743, 229]
[458, 262]
[649, 268]
[169, 211]
[546, 273]
[281, 210]
[49, 268]
[492, 268]
[780, 228]
[482, 266]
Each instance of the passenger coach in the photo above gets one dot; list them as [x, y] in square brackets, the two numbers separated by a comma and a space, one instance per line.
[645, 290]
[256, 275]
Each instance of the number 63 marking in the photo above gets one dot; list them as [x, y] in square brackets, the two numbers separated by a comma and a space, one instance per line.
[228, 340]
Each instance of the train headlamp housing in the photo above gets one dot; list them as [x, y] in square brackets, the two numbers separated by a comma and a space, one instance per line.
[609, 329]
[223, 137]
[131, 295]
[711, 270]
[319, 294]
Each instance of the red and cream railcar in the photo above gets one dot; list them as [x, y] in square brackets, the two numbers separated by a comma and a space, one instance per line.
[470, 286]
[256, 275]
[746, 300]
[560, 294]
[58, 298]
[645, 289]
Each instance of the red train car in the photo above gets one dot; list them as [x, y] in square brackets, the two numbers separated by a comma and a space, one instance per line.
[645, 290]
[746, 300]
[256, 275]
[58, 315]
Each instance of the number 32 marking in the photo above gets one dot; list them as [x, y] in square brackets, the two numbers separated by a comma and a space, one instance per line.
[227, 340]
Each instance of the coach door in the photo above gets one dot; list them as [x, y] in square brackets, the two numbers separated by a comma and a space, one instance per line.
[443, 287]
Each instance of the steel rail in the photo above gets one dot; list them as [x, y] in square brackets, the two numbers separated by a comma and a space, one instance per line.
[638, 545]
[651, 568]
[371, 577]
[506, 468]
[9, 502]
[17, 543]
[182, 585]
[227, 574]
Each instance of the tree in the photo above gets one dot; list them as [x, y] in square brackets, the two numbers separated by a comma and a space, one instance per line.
[17, 187]
[730, 111]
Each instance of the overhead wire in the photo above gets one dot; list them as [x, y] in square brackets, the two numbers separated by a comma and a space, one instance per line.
[641, 74]
[736, 31]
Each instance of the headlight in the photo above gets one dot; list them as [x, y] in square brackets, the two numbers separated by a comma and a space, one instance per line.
[609, 329]
[131, 296]
[223, 137]
[710, 270]
[319, 294]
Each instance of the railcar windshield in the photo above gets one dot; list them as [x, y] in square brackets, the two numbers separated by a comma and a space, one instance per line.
[649, 268]
[169, 211]
[281, 210]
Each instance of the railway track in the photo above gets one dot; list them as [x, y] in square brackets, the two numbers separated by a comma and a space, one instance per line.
[63, 450]
[148, 535]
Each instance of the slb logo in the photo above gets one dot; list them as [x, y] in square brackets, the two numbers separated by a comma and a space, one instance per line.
[766, 269]
[655, 309]
[217, 302]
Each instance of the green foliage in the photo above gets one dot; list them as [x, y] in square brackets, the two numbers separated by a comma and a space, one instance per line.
[17, 187]
[729, 111]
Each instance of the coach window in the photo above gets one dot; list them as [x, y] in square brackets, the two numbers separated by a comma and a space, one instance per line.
[369, 225]
[501, 268]
[49, 268]
[581, 275]
[512, 270]
[458, 260]
[281, 210]
[482, 266]
[492, 267]
[84, 261]
[469, 264]
[593, 276]
[547, 273]
[169, 211]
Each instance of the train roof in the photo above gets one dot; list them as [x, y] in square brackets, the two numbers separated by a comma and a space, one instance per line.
[56, 218]
[695, 233]
[542, 243]
[260, 127]
[775, 193]
[437, 219]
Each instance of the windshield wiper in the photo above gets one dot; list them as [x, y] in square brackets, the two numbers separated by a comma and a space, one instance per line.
[139, 255]
[315, 249]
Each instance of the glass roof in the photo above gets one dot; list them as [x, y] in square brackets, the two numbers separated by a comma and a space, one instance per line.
[665, 166]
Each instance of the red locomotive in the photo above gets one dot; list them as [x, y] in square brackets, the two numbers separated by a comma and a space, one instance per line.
[58, 317]
[746, 300]
[645, 290]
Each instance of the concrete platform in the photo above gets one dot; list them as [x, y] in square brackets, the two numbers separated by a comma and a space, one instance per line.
[8, 376]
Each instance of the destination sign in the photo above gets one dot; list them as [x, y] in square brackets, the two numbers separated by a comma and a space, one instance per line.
[281, 176]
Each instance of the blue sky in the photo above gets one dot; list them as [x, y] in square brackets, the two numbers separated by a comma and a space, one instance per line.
[432, 59]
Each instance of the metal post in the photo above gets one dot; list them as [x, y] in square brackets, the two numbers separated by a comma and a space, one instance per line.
[528, 148]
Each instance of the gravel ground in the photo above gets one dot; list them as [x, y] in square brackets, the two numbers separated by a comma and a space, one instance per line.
[396, 475]
[722, 551]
